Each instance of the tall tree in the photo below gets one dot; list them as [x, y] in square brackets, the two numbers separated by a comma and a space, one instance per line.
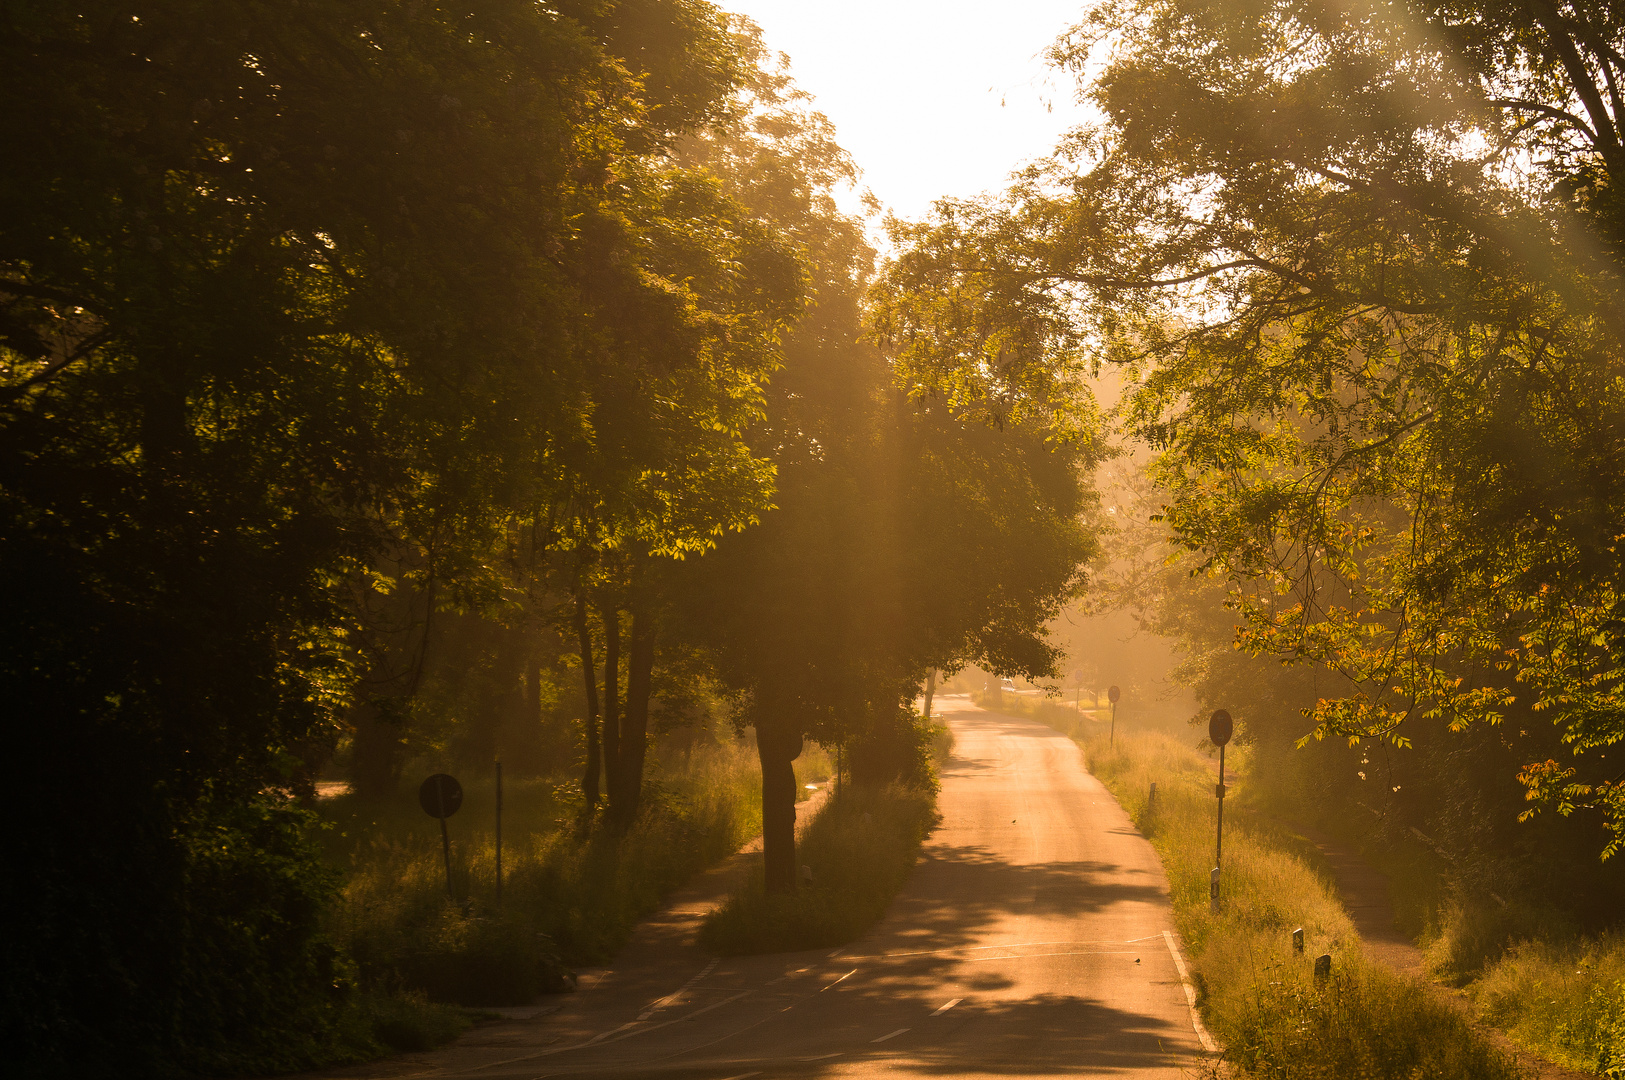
[1365, 260]
[907, 533]
[285, 291]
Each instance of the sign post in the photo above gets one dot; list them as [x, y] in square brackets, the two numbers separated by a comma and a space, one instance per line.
[1219, 730]
[441, 796]
[1112, 695]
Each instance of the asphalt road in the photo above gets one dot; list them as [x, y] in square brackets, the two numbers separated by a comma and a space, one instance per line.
[1029, 942]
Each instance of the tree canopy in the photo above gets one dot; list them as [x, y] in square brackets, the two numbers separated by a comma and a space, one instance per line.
[1363, 262]
[365, 367]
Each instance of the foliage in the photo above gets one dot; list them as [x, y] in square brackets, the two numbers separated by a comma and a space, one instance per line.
[283, 294]
[860, 848]
[1566, 1002]
[905, 536]
[369, 372]
[1363, 262]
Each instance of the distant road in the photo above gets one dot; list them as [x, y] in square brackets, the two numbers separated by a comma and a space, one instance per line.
[1028, 943]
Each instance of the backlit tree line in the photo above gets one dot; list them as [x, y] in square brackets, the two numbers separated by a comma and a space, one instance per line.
[382, 377]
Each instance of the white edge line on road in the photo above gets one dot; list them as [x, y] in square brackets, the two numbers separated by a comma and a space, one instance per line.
[1190, 994]
[661, 1003]
[842, 979]
[618, 1034]
[948, 1006]
[893, 1035]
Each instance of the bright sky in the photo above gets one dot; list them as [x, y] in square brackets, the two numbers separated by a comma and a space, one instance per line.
[931, 98]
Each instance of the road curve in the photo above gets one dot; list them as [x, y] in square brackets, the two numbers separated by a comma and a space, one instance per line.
[1029, 942]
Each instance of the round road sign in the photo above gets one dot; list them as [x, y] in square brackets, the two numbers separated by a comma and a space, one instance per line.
[1113, 694]
[440, 796]
[1220, 728]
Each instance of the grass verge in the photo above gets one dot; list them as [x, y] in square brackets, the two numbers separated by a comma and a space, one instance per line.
[1564, 1001]
[860, 848]
[572, 891]
[1259, 998]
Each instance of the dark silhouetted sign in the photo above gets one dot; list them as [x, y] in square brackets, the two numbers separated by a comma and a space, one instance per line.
[1220, 728]
[440, 796]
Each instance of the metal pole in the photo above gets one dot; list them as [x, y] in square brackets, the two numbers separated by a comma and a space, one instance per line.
[1114, 724]
[1218, 848]
[499, 835]
[445, 837]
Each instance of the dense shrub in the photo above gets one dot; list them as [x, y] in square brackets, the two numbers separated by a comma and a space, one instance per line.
[897, 751]
[1566, 1001]
[860, 849]
[216, 955]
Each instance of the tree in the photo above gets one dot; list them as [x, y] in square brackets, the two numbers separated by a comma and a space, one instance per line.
[1364, 260]
[906, 535]
[288, 294]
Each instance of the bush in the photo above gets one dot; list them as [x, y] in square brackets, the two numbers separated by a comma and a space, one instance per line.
[482, 961]
[1566, 1002]
[1366, 1021]
[375, 1024]
[212, 960]
[1471, 936]
[860, 849]
[898, 751]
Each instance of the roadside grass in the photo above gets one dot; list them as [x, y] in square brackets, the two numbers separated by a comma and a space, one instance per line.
[1258, 996]
[860, 848]
[1566, 1001]
[572, 890]
[1522, 961]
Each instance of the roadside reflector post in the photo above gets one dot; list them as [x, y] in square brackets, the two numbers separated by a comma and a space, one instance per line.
[1213, 889]
[1151, 800]
[1297, 941]
[1323, 968]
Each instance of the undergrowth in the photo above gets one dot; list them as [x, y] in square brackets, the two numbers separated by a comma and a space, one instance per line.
[573, 889]
[860, 848]
[1565, 1001]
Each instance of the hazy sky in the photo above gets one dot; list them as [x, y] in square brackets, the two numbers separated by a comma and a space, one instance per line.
[931, 98]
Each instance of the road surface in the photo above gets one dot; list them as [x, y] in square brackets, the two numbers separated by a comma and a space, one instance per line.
[1029, 942]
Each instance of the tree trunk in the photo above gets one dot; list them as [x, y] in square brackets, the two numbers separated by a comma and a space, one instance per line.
[930, 690]
[614, 774]
[777, 748]
[376, 753]
[589, 778]
[634, 745]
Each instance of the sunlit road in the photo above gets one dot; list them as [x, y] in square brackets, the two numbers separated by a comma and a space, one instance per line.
[1028, 942]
